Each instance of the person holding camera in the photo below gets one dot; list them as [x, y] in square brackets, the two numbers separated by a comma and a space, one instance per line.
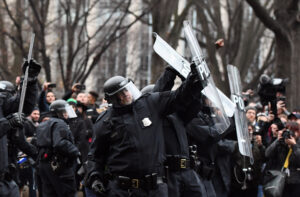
[288, 139]
[75, 90]
[47, 96]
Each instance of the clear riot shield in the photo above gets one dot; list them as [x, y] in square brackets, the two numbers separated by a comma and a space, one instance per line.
[239, 114]
[166, 52]
[210, 90]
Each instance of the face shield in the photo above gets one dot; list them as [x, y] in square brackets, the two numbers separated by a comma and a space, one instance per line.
[70, 111]
[126, 95]
[66, 112]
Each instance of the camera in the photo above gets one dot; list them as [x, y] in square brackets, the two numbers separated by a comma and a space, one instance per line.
[260, 128]
[80, 87]
[268, 87]
[52, 85]
[281, 98]
[287, 134]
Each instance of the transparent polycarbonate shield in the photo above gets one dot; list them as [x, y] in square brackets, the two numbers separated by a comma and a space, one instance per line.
[165, 51]
[174, 59]
[239, 114]
[70, 111]
[228, 105]
[204, 73]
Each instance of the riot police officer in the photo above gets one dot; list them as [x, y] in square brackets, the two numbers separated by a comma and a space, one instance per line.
[182, 179]
[203, 132]
[57, 152]
[10, 120]
[128, 150]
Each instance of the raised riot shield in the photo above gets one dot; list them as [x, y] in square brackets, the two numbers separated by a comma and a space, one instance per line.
[239, 114]
[166, 52]
[210, 90]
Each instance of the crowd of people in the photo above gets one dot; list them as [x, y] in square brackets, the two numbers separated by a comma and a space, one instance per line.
[153, 142]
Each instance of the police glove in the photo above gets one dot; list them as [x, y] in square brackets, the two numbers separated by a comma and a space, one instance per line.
[16, 120]
[196, 76]
[171, 69]
[97, 186]
[34, 68]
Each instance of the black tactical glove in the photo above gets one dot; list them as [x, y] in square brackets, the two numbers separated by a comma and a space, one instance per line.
[194, 68]
[97, 187]
[196, 76]
[171, 69]
[34, 68]
[16, 120]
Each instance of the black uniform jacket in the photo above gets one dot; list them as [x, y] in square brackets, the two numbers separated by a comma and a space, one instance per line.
[10, 105]
[129, 140]
[55, 135]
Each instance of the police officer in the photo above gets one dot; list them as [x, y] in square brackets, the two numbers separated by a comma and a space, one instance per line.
[182, 179]
[10, 120]
[203, 132]
[128, 150]
[8, 187]
[57, 152]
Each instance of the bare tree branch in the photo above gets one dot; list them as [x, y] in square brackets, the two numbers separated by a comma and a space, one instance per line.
[265, 18]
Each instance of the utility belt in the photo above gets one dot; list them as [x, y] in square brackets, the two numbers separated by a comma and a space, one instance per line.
[148, 182]
[177, 163]
[58, 162]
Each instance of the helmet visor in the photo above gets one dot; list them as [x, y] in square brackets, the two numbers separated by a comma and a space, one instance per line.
[70, 111]
[128, 94]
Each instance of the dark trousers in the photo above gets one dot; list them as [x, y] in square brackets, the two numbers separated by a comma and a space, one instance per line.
[9, 189]
[185, 183]
[57, 184]
[26, 175]
[115, 191]
[209, 187]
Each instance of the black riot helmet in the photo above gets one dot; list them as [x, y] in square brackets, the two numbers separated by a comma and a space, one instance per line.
[148, 89]
[61, 109]
[117, 85]
[7, 87]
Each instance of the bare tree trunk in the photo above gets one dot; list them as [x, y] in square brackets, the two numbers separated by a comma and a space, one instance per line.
[4, 74]
[286, 28]
[161, 23]
[295, 70]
